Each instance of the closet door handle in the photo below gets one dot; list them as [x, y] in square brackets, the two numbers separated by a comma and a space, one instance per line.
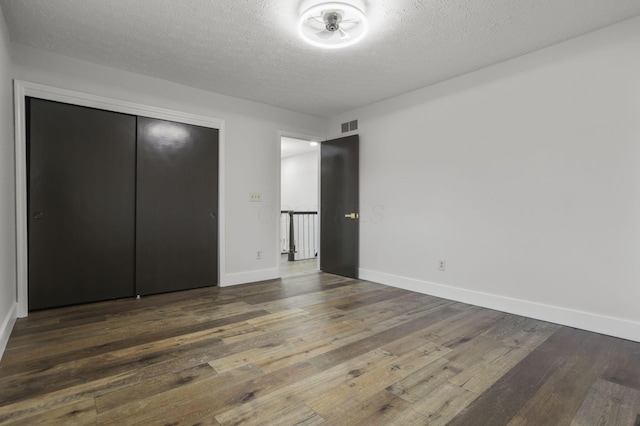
[38, 215]
[213, 215]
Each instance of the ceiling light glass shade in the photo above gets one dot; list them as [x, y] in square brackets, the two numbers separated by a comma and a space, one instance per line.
[332, 25]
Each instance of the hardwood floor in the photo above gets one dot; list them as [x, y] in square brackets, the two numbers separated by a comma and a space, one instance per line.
[308, 350]
[297, 267]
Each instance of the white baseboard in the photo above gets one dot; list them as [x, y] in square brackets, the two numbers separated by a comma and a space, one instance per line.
[617, 327]
[249, 277]
[7, 326]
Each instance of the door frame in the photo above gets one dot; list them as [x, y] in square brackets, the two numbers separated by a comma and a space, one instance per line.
[294, 135]
[23, 89]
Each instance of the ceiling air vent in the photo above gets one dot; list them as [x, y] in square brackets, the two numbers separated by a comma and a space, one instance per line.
[349, 126]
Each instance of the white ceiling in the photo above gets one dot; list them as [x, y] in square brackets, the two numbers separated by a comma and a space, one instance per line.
[250, 48]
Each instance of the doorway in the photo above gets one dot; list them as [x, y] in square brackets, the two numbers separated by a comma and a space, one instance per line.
[299, 239]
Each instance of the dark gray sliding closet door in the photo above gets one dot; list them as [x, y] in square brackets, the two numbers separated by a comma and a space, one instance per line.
[81, 204]
[177, 206]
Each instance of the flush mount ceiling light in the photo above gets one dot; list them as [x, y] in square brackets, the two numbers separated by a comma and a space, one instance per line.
[333, 25]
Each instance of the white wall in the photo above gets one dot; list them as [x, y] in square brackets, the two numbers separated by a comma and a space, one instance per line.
[7, 195]
[299, 182]
[252, 162]
[524, 177]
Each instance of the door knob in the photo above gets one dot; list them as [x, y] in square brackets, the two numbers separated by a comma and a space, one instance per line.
[351, 215]
[38, 215]
[213, 215]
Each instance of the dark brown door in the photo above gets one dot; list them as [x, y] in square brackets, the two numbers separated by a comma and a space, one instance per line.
[81, 195]
[339, 200]
[177, 206]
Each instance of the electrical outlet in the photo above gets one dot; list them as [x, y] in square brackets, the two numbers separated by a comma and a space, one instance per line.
[255, 197]
[442, 265]
[259, 255]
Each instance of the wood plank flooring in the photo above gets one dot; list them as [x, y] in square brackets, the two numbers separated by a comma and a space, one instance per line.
[297, 267]
[308, 350]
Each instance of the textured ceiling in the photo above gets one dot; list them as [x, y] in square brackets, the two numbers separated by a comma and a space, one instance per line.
[250, 48]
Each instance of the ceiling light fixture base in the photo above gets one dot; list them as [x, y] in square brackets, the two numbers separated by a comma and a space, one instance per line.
[332, 25]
